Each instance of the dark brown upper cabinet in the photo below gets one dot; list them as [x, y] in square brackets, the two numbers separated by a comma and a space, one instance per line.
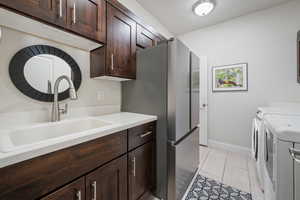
[121, 44]
[145, 38]
[51, 11]
[101, 169]
[141, 171]
[88, 17]
[120, 51]
[84, 17]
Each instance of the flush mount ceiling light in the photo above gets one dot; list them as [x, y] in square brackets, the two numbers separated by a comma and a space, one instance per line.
[204, 7]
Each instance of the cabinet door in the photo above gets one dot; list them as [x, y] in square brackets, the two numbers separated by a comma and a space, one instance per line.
[88, 18]
[52, 11]
[141, 171]
[121, 44]
[72, 191]
[145, 38]
[109, 181]
[297, 176]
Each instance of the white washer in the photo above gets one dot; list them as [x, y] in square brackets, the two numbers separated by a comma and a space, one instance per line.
[282, 151]
[257, 146]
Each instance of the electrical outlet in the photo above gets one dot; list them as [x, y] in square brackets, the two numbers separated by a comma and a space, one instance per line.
[100, 95]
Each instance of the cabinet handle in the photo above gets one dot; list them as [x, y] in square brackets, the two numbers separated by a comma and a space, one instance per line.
[112, 62]
[146, 134]
[94, 186]
[295, 153]
[74, 13]
[134, 162]
[78, 195]
[60, 8]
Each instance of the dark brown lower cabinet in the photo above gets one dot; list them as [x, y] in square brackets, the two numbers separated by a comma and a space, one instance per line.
[141, 171]
[72, 191]
[108, 182]
[102, 169]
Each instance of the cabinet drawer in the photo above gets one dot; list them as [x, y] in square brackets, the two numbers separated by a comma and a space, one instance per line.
[140, 135]
[34, 178]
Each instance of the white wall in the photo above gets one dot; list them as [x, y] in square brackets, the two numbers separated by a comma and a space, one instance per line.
[266, 40]
[12, 101]
[147, 18]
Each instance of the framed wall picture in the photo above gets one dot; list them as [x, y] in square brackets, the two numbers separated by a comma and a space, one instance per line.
[230, 78]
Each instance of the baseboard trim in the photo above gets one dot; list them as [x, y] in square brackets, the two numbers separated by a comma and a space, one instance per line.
[229, 147]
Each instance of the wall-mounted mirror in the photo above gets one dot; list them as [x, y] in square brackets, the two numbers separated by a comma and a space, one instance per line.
[34, 70]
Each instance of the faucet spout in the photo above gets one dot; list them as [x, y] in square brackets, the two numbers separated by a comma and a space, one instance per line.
[56, 111]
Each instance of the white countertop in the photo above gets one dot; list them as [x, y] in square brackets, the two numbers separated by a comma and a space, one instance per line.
[285, 127]
[118, 122]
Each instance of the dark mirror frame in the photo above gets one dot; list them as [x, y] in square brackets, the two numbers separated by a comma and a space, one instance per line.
[16, 71]
[298, 57]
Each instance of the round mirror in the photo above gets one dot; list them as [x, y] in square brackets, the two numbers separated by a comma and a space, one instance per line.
[42, 71]
[35, 69]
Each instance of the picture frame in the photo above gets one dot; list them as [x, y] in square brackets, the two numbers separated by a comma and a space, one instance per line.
[230, 78]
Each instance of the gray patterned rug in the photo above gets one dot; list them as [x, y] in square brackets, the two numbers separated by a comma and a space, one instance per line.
[207, 189]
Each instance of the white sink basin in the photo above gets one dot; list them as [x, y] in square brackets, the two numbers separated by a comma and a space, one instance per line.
[12, 140]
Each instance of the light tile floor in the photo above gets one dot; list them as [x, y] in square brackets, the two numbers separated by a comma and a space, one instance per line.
[233, 169]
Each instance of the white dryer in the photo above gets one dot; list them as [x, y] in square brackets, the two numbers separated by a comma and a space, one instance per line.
[258, 135]
[282, 157]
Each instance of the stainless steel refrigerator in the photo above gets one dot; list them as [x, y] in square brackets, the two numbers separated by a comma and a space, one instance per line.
[167, 85]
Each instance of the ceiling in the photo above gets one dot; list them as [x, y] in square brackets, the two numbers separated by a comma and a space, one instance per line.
[178, 18]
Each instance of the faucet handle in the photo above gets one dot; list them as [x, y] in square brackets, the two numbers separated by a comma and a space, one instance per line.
[64, 110]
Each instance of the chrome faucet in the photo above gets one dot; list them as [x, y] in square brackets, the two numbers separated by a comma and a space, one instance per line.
[56, 111]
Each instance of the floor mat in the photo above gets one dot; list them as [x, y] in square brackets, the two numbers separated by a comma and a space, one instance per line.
[208, 189]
